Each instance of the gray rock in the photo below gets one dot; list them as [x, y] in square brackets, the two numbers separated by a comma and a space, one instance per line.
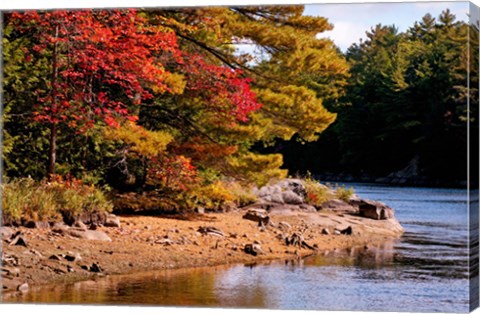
[253, 249]
[284, 225]
[337, 206]
[290, 197]
[275, 198]
[307, 208]
[88, 234]
[73, 257]
[112, 221]
[257, 215]
[79, 224]
[211, 231]
[294, 185]
[375, 210]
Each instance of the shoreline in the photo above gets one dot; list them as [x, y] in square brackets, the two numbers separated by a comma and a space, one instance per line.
[147, 243]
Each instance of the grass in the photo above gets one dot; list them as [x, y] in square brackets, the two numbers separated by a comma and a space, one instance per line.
[51, 200]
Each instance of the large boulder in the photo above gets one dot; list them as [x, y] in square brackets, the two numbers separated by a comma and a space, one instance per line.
[375, 210]
[288, 191]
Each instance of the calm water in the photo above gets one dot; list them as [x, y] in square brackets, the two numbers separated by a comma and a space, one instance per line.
[425, 271]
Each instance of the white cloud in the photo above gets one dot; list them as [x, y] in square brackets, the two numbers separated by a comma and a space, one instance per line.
[345, 33]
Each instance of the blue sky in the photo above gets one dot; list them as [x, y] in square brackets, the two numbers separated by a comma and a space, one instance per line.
[352, 20]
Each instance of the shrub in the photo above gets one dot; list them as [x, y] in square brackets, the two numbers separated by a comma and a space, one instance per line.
[343, 193]
[316, 193]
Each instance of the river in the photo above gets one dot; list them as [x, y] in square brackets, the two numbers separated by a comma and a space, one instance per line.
[424, 271]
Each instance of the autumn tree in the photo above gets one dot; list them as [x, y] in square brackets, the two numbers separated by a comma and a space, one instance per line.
[292, 74]
[91, 65]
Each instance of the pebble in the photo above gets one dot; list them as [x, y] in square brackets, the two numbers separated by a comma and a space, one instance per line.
[23, 287]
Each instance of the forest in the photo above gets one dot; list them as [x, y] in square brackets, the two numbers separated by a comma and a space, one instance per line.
[158, 110]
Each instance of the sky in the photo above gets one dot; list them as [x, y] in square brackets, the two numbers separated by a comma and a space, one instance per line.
[352, 20]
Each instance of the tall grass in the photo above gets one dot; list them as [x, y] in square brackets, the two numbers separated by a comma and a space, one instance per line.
[51, 200]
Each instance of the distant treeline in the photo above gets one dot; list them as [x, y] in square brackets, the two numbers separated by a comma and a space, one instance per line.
[405, 110]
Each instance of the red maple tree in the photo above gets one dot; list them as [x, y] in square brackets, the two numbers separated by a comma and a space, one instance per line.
[105, 62]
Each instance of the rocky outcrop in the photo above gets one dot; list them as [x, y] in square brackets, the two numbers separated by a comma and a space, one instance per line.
[289, 195]
[375, 210]
[288, 191]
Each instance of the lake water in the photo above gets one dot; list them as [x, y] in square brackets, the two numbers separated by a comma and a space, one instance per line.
[424, 271]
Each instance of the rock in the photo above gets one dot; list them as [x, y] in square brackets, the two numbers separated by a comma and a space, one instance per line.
[60, 228]
[294, 185]
[23, 287]
[165, 241]
[325, 231]
[73, 257]
[290, 197]
[253, 249]
[200, 210]
[85, 267]
[284, 225]
[18, 239]
[93, 226]
[307, 208]
[276, 198]
[375, 210]
[257, 215]
[88, 234]
[10, 260]
[347, 231]
[211, 231]
[35, 252]
[297, 239]
[112, 221]
[6, 232]
[79, 224]
[55, 257]
[95, 268]
[91, 218]
[11, 271]
[337, 206]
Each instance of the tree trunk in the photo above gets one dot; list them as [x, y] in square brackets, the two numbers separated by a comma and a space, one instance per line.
[52, 154]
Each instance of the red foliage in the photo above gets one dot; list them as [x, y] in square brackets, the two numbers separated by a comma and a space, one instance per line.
[224, 90]
[175, 173]
[105, 61]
